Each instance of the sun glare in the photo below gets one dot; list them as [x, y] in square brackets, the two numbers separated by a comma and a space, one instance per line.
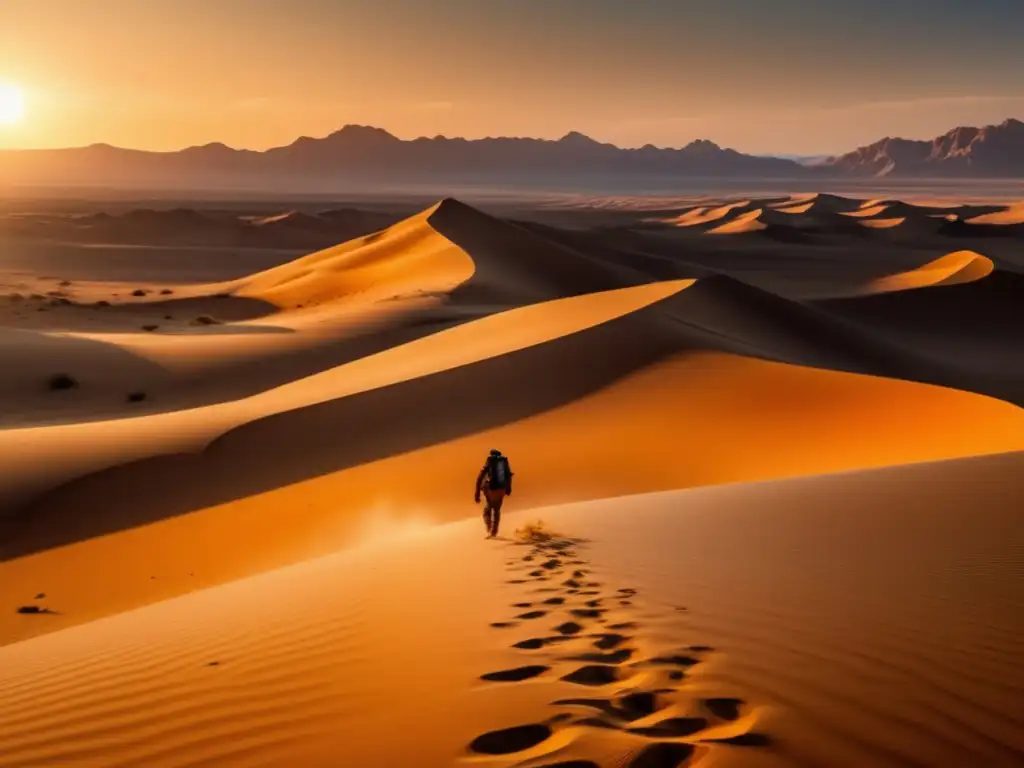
[12, 104]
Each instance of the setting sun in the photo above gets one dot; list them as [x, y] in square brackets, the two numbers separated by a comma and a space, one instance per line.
[12, 104]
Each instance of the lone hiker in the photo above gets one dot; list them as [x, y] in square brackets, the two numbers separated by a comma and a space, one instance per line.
[495, 482]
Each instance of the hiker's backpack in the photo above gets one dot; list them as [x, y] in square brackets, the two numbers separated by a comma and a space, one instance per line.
[499, 473]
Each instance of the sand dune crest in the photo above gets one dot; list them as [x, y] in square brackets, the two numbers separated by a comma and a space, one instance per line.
[952, 269]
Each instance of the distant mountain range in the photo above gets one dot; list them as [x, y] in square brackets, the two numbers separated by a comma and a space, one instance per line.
[358, 154]
[993, 151]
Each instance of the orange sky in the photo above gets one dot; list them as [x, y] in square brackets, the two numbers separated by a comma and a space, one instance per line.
[163, 74]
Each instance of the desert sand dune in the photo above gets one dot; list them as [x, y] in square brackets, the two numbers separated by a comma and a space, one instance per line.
[799, 208]
[244, 566]
[711, 216]
[244, 480]
[971, 325]
[409, 258]
[883, 223]
[951, 269]
[822, 202]
[746, 222]
[1011, 214]
[725, 624]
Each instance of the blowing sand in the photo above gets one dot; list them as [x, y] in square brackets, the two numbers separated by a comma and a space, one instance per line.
[241, 537]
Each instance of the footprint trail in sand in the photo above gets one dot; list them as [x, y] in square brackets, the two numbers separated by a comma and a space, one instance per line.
[634, 710]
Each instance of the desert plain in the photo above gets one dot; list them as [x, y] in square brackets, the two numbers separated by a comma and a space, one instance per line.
[775, 444]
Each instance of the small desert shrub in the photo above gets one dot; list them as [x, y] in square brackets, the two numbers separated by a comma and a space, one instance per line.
[150, 327]
[535, 531]
[222, 295]
[136, 397]
[64, 283]
[102, 303]
[166, 292]
[205, 320]
[63, 381]
[139, 292]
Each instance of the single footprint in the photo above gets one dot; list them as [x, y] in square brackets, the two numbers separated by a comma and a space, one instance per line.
[509, 740]
[608, 641]
[504, 624]
[722, 708]
[587, 613]
[532, 615]
[517, 674]
[593, 675]
[522, 605]
[554, 601]
[569, 628]
[623, 625]
[533, 643]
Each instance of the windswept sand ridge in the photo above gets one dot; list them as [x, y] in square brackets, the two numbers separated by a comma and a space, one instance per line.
[276, 326]
[704, 215]
[746, 222]
[409, 258]
[473, 343]
[796, 209]
[722, 613]
[199, 344]
[868, 334]
[951, 269]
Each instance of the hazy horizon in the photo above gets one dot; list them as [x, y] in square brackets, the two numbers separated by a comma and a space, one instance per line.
[777, 79]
